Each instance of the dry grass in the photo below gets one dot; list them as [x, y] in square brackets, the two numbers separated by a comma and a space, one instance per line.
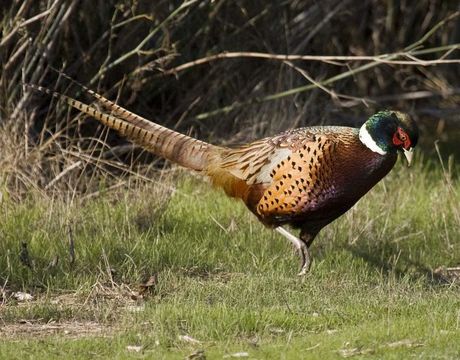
[146, 55]
[71, 330]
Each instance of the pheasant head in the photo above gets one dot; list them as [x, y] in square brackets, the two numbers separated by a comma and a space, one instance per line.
[389, 131]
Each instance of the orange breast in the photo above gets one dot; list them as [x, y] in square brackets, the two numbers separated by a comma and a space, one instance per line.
[298, 181]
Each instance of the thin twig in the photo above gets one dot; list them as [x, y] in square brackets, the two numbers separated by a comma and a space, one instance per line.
[63, 173]
[138, 48]
[27, 22]
[384, 59]
[308, 87]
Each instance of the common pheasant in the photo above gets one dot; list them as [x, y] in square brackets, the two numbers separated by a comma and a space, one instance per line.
[305, 177]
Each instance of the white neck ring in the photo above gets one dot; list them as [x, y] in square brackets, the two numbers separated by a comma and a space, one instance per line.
[367, 140]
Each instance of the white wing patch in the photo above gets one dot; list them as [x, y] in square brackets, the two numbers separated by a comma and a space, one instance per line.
[263, 175]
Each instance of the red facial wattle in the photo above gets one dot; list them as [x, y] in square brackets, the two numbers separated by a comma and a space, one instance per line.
[400, 138]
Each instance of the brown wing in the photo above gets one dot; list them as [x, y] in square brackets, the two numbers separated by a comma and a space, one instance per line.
[300, 181]
[254, 162]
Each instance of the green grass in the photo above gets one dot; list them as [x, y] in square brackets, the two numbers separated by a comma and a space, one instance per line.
[228, 282]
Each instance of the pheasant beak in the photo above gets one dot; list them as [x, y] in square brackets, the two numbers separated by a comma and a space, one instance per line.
[409, 154]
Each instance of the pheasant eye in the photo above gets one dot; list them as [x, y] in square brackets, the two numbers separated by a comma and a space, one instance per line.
[402, 134]
[400, 138]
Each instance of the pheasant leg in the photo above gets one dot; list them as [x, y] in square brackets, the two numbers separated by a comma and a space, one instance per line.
[305, 260]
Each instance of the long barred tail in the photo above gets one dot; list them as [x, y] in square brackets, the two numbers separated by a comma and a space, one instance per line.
[181, 149]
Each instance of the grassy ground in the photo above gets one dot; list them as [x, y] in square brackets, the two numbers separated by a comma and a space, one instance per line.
[225, 286]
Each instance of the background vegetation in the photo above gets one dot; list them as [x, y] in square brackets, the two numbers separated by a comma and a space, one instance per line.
[86, 217]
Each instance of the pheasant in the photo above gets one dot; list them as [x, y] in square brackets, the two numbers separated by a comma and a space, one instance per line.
[305, 177]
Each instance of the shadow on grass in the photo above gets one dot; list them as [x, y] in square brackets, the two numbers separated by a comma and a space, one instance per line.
[379, 256]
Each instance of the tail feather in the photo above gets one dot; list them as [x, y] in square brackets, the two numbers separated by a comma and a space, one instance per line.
[114, 108]
[179, 148]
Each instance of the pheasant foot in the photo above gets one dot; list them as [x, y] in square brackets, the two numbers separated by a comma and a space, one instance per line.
[305, 259]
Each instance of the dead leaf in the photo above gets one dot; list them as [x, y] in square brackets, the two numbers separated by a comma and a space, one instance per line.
[22, 296]
[134, 348]
[346, 353]
[148, 285]
[276, 330]
[189, 339]
[404, 342]
[241, 354]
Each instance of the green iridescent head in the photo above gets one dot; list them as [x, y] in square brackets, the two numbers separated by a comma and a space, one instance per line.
[388, 131]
